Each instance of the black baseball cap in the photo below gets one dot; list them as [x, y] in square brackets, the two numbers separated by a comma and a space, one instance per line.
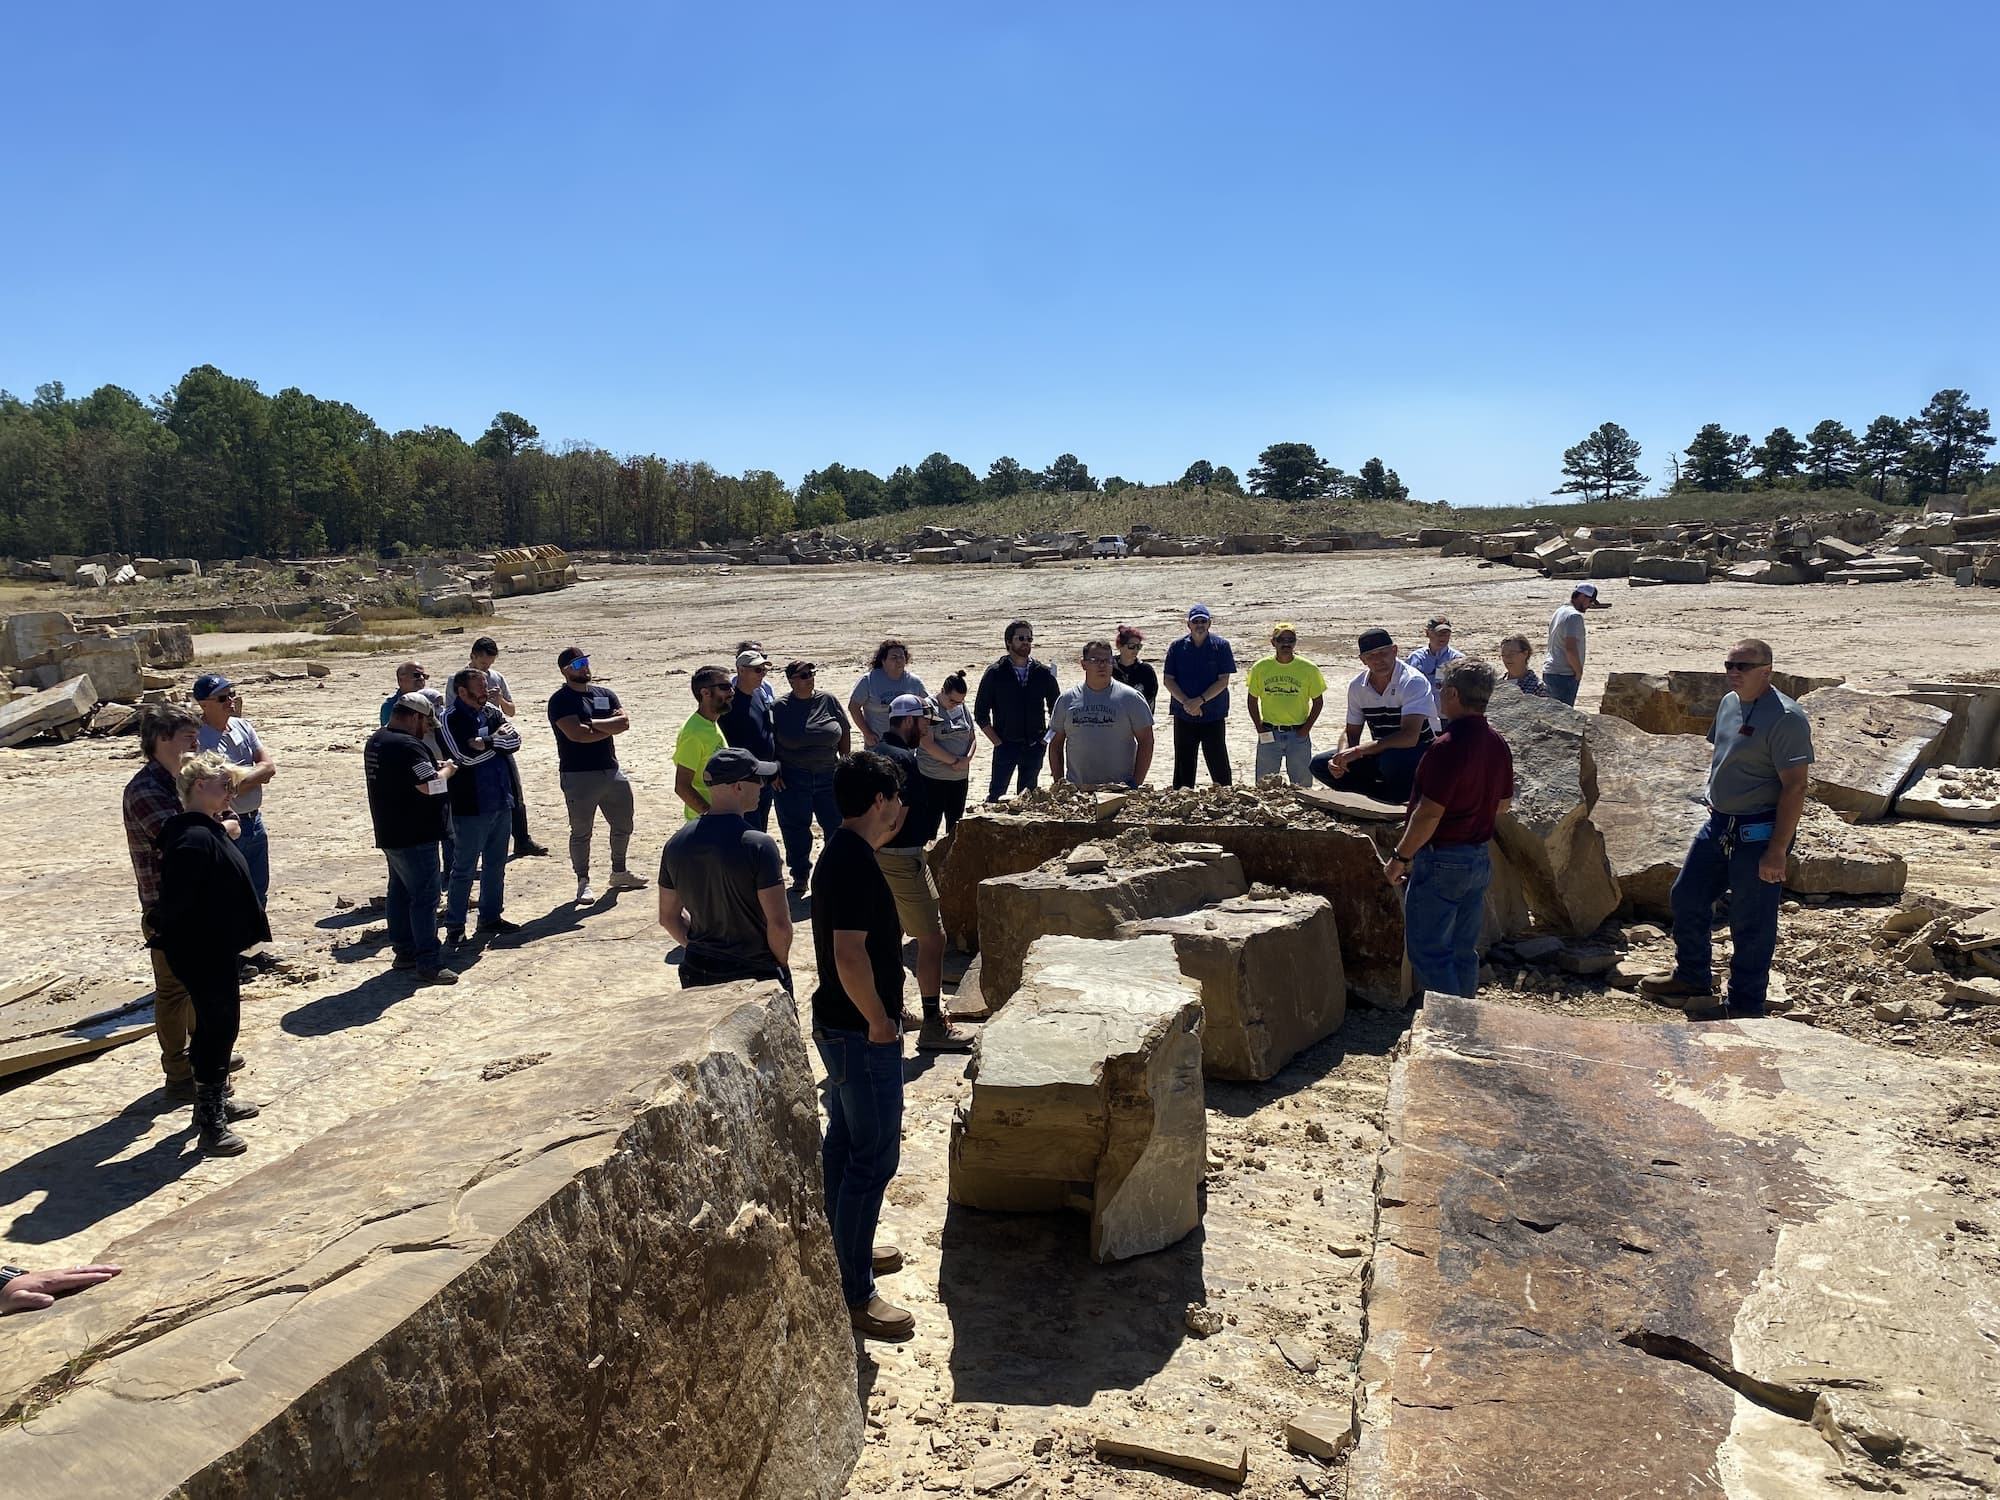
[1375, 640]
[736, 764]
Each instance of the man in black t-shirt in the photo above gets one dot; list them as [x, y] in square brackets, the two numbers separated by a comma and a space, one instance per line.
[722, 884]
[406, 802]
[907, 869]
[857, 1026]
[586, 717]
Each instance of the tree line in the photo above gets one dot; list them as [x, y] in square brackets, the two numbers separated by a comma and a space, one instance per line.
[1942, 450]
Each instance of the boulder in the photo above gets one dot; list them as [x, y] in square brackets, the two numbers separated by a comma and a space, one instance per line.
[1973, 736]
[1953, 794]
[1671, 569]
[1684, 702]
[446, 605]
[1548, 834]
[32, 634]
[1834, 550]
[46, 712]
[1564, 1266]
[1647, 792]
[91, 576]
[1612, 562]
[1016, 910]
[1087, 1093]
[599, 1268]
[1271, 983]
[161, 643]
[1868, 746]
[112, 665]
[1833, 858]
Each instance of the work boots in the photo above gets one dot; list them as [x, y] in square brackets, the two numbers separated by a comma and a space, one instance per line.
[211, 1119]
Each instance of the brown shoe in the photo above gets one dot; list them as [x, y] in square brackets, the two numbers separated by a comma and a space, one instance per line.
[940, 1035]
[888, 1260]
[1671, 989]
[882, 1320]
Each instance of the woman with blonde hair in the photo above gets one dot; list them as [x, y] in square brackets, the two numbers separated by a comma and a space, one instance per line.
[208, 913]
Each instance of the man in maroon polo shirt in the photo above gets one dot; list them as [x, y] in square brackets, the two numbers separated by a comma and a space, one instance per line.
[1462, 785]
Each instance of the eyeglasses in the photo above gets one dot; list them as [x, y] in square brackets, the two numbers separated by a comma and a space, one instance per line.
[1097, 661]
[1743, 666]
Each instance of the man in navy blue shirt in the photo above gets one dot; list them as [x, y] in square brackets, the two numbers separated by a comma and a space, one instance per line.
[746, 724]
[1196, 676]
[481, 741]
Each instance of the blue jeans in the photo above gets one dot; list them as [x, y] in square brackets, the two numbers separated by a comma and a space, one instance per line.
[1386, 777]
[863, 1093]
[255, 847]
[1292, 748]
[482, 845]
[1020, 761]
[806, 795]
[1444, 905]
[413, 902]
[1710, 869]
[1562, 687]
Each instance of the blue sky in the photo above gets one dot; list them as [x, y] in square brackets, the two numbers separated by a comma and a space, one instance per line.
[1455, 235]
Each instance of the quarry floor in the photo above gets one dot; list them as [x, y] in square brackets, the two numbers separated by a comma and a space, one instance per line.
[1023, 1344]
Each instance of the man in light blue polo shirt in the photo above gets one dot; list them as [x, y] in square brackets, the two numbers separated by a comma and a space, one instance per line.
[1196, 676]
[222, 728]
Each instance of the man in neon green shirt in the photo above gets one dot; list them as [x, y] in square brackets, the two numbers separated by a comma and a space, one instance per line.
[1286, 694]
[700, 738]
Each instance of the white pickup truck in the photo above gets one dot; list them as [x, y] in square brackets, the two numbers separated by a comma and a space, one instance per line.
[1110, 546]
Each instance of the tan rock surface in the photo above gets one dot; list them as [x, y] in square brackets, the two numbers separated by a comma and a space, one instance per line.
[1953, 794]
[50, 709]
[599, 1269]
[1833, 858]
[1684, 702]
[1647, 805]
[1724, 1253]
[1868, 746]
[1548, 835]
[1087, 1093]
[1270, 977]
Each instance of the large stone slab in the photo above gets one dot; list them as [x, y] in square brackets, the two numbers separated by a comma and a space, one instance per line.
[592, 1264]
[1648, 791]
[1953, 794]
[1548, 834]
[112, 665]
[1015, 910]
[1868, 746]
[1087, 1093]
[1674, 1261]
[32, 634]
[1833, 858]
[50, 709]
[1270, 977]
[162, 643]
[1972, 738]
[1684, 702]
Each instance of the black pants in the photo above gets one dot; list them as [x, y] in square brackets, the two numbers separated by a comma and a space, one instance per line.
[216, 988]
[522, 838]
[949, 798]
[698, 973]
[1208, 734]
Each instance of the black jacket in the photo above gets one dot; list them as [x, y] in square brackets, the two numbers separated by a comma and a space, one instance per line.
[208, 910]
[482, 773]
[1015, 712]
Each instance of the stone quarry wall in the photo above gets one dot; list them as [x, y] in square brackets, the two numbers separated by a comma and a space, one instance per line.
[596, 1267]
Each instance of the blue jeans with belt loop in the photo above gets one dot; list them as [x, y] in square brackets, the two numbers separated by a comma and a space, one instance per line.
[1290, 747]
[863, 1093]
[1444, 907]
[1724, 857]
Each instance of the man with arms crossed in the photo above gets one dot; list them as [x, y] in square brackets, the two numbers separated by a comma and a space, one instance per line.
[1463, 783]
[722, 885]
[857, 1027]
[587, 716]
[1011, 709]
[483, 744]
[1102, 734]
[1757, 779]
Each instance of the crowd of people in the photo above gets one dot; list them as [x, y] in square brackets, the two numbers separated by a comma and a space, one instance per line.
[446, 801]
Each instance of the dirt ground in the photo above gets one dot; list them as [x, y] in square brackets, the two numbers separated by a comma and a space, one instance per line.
[1024, 1346]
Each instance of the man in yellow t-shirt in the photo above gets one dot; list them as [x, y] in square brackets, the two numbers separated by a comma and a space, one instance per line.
[1286, 694]
[700, 738]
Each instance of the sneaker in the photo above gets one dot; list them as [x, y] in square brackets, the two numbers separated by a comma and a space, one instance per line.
[436, 976]
[402, 961]
[625, 880]
[882, 1320]
[530, 850]
[912, 1019]
[586, 894]
[499, 926]
[455, 937]
[888, 1259]
[939, 1035]
[1671, 989]
[236, 1062]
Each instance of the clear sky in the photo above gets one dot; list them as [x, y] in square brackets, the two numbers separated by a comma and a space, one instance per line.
[1455, 235]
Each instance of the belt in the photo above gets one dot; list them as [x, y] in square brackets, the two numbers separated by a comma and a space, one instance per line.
[1745, 828]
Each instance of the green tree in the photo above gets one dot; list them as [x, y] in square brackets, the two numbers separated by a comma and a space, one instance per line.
[1199, 475]
[507, 439]
[1289, 471]
[1604, 466]
[1881, 451]
[1958, 437]
[1226, 481]
[900, 492]
[1376, 482]
[940, 481]
[1778, 457]
[1117, 484]
[861, 491]
[1005, 476]
[1715, 460]
[1066, 475]
[1830, 456]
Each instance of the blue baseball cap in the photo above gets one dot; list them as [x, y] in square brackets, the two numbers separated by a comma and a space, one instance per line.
[1197, 612]
[209, 685]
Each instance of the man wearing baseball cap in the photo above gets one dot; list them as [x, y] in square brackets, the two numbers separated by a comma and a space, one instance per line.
[1196, 676]
[407, 791]
[1562, 670]
[1395, 703]
[722, 884]
[746, 721]
[222, 728]
[587, 717]
[908, 871]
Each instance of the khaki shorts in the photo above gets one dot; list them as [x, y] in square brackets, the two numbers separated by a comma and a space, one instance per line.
[909, 875]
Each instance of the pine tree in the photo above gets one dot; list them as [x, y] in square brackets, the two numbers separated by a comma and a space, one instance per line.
[1830, 456]
[1881, 449]
[1778, 457]
[1715, 459]
[1604, 466]
[1958, 437]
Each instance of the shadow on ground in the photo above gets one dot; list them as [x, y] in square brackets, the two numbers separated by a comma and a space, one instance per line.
[80, 1182]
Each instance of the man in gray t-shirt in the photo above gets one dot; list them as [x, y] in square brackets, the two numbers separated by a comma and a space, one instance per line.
[1562, 668]
[1757, 779]
[1101, 733]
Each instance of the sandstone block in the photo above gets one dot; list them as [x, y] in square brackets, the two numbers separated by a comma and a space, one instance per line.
[1548, 835]
[161, 643]
[1684, 702]
[1612, 562]
[1270, 976]
[1647, 805]
[1973, 736]
[1671, 569]
[1087, 1093]
[46, 711]
[91, 576]
[1953, 794]
[111, 664]
[1015, 910]
[606, 1273]
[32, 634]
[1868, 747]
[1833, 858]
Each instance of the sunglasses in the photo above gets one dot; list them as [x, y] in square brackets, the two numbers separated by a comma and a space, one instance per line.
[1097, 661]
[1743, 666]
[1285, 640]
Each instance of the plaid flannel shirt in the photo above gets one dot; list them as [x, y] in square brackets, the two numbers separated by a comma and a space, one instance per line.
[150, 800]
